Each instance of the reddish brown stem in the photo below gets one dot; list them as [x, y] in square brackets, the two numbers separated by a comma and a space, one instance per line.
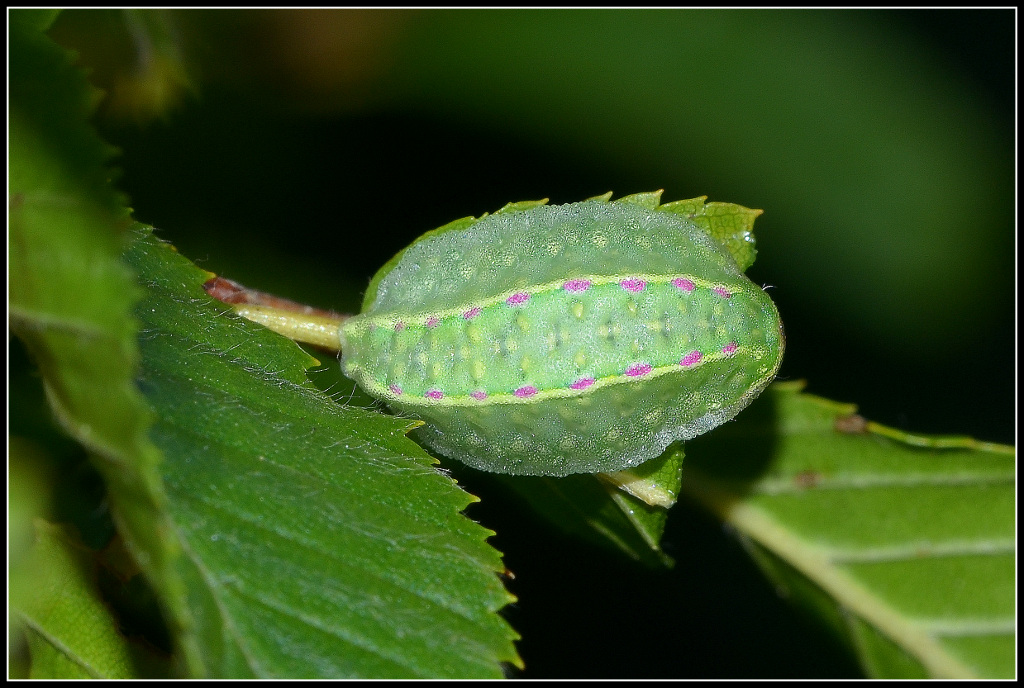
[232, 292]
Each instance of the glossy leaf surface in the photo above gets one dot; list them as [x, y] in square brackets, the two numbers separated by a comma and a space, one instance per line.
[317, 540]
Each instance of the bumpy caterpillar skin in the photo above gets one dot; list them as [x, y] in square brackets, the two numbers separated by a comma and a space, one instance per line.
[550, 340]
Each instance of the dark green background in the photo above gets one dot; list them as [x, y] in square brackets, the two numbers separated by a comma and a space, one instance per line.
[879, 144]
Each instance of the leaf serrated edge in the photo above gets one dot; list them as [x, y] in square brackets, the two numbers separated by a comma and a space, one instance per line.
[490, 562]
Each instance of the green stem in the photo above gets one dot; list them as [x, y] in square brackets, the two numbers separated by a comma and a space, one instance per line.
[298, 322]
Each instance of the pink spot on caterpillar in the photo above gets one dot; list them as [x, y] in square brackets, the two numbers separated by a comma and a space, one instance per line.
[582, 383]
[399, 326]
[724, 293]
[479, 396]
[516, 299]
[434, 394]
[471, 313]
[526, 392]
[638, 369]
[690, 358]
[432, 322]
[684, 284]
[633, 285]
[729, 348]
[576, 285]
[395, 389]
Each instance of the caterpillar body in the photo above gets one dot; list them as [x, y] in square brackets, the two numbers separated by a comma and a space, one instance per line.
[551, 340]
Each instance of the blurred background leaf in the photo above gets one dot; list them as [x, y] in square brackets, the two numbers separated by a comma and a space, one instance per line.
[879, 143]
[71, 631]
[70, 303]
[907, 551]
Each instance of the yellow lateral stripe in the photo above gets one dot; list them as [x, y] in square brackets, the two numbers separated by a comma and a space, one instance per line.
[358, 323]
[376, 389]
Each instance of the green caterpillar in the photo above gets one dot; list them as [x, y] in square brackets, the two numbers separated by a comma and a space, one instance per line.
[582, 338]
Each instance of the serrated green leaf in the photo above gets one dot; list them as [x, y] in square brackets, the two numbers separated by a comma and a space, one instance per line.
[318, 539]
[71, 300]
[729, 224]
[645, 199]
[517, 206]
[71, 632]
[908, 552]
[71, 297]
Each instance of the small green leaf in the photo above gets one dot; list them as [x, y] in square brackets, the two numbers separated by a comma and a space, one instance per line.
[518, 206]
[318, 540]
[596, 509]
[908, 552]
[655, 482]
[729, 224]
[645, 199]
[71, 632]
